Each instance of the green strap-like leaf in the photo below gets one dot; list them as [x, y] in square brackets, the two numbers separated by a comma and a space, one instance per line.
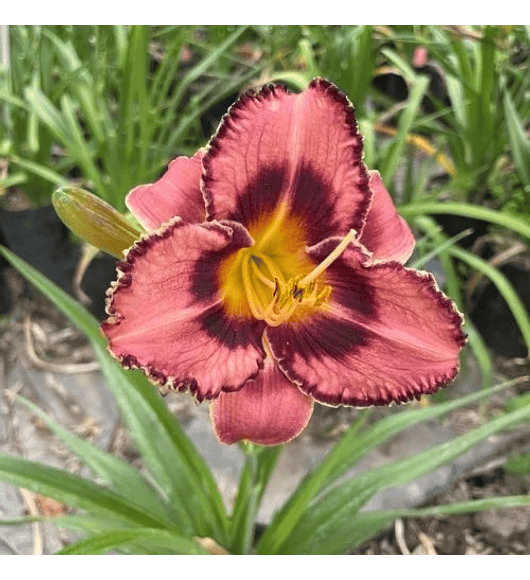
[364, 525]
[71, 489]
[504, 287]
[347, 452]
[40, 170]
[257, 470]
[467, 210]
[519, 141]
[109, 540]
[406, 121]
[81, 84]
[120, 475]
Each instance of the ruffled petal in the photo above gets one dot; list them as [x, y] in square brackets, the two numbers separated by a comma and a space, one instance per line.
[385, 232]
[166, 316]
[176, 193]
[386, 334]
[293, 157]
[269, 410]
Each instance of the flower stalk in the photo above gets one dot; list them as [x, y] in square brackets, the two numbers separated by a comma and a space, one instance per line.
[257, 469]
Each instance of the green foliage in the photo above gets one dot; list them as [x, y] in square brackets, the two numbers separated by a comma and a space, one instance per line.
[110, 104]
[519, 463]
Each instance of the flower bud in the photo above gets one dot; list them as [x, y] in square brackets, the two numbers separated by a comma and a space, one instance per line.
[94, 220]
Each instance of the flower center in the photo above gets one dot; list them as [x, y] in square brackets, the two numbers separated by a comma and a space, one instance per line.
[274, 281]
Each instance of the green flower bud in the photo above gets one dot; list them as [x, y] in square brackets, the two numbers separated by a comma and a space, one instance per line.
[94, 220]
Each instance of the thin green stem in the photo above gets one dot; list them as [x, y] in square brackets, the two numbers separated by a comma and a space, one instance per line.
[257, 470]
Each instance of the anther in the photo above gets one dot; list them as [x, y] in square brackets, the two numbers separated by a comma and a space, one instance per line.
[298, 293]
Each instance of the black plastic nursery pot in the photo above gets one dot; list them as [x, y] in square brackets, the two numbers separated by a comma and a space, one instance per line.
[41, 239]
[489, 311]
[493, 317]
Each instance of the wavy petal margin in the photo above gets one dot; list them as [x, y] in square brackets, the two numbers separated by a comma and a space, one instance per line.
[301, 152]
[269, 410]
[176, 193]
[386, 234]
[386, 335]
[166, 316]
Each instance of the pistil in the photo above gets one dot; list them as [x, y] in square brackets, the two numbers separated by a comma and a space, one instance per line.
[315, 273]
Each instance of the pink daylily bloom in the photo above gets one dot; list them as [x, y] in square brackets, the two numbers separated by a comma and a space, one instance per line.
[272, 275]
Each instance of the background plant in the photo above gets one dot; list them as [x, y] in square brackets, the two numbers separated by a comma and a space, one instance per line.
[110, 104]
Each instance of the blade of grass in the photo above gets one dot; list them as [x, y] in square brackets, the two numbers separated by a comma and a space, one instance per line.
[400, 63]
[419, 263]
[40, 170]
[166, 72]
[24, 521]
[406, 120]
[79, 147]
[298, 80]
[259, 466]
[485, 94]
[47, 113]
[204, 103]
[519, 142]
[503, 285]
[369, 141]
[167, 134]
[365, 525]
[133, 102]
[81, 84]
[120, 475]
[467, 210]
[13, 100]
[11, 181]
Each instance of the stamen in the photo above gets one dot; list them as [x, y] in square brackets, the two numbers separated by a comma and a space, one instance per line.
[330, 259]
[274, 271]
[276, 313]
[298, 293]
[300, 290]
[273, 298]
[250, 292]
[260, 276]
[267, 347]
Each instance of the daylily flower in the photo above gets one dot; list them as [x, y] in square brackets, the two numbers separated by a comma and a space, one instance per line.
[271, 275]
